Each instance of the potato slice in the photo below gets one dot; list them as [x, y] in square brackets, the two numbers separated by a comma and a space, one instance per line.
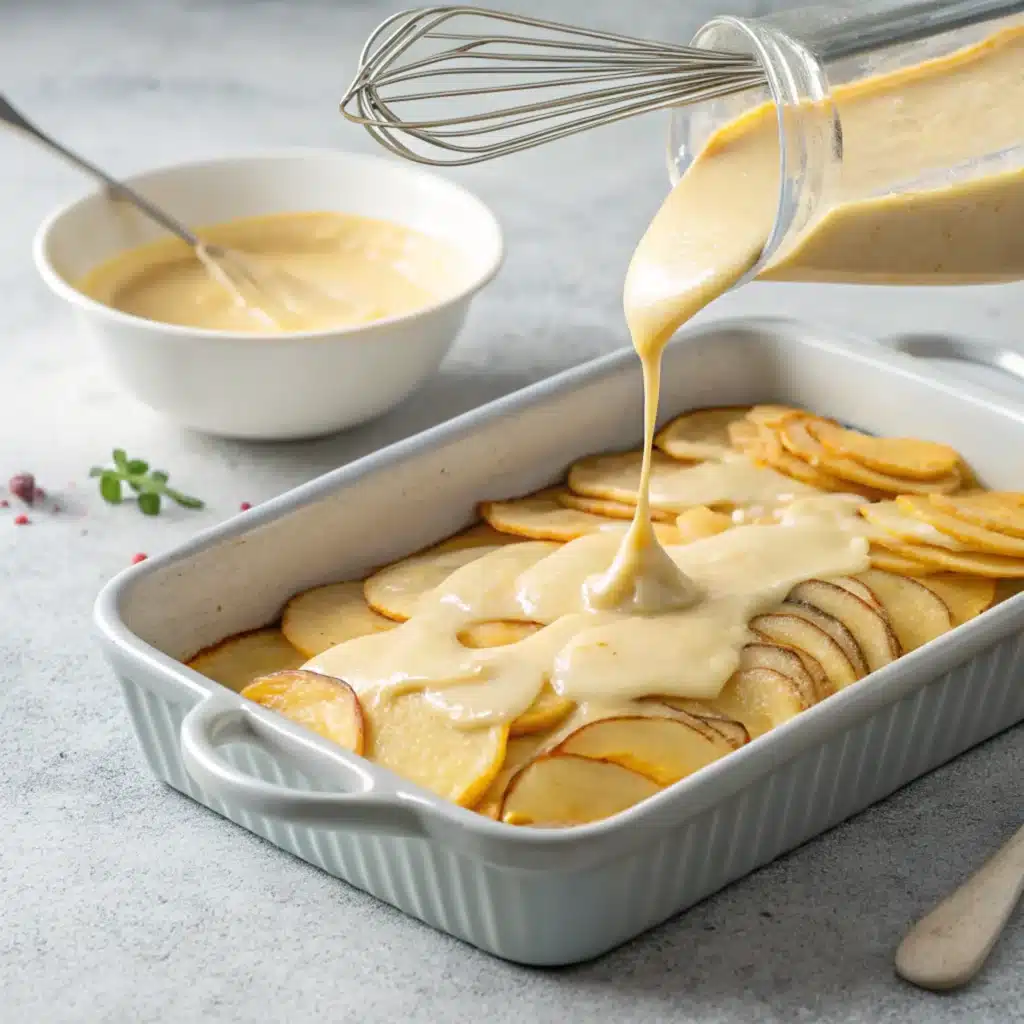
[966, 597]
[521, 750]
[318, 619]
[970, 564]
[772, 453]
[664, 749]
[893, 521]
[797, 436]
[904, 457]
[700, 433]
[238, 660]
[761, 699]
[549, 708]
[543, 517]
[496, 633]
[835, 628]
[323, 704]
[395, 590]
[701, 522]
[869, 626]
[771, 415]
[546, 711]
[559, 790]
[889, 561]
[917, 613]
[422, 744]
[803, 635]
[1001, 511]
[608, 508]
[743, 434]
[812, 683]
[614, 476]
[705, 719]
[476, 536]
[969, 536]
[857, 588]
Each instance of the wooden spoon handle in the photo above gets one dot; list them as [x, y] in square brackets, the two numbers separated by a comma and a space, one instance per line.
[947, 948]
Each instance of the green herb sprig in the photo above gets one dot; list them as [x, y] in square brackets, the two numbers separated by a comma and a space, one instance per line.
[150, 486]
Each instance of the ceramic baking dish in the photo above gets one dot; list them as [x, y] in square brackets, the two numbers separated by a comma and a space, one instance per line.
[542, 896]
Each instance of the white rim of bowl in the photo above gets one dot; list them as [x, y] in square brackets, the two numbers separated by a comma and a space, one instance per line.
[60, 286]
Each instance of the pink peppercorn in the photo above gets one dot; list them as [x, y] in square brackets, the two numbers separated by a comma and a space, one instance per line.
[21, 520]
[245, 506]
[4, 503]
[140, 557]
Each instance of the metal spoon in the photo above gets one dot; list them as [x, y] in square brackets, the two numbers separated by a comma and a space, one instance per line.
[948, 947]
[254, 286]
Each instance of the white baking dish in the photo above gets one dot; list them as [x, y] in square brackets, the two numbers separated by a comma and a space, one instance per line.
[538, 896]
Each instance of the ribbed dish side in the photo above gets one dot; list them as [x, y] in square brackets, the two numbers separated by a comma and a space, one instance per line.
[555, 917]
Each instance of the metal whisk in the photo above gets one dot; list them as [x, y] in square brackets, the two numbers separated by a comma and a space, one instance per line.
[543, 80]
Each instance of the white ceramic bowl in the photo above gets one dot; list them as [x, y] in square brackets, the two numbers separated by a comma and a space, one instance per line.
[273, 386]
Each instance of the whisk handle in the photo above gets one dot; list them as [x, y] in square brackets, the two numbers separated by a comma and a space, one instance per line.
[15, 119]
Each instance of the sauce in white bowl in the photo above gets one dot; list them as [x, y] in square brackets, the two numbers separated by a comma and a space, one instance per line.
[277, 384]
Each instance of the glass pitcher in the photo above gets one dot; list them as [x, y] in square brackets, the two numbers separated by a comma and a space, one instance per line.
[882, 177]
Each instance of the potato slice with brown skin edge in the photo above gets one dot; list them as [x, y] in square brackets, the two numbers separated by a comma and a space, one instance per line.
[869, 626]
[699, 715]
[975, 538]
[238, 660]
[786, 662]
[521, 750]
[700, 433]
[829, 624]
[857, 588]
[323, 704]
[1000, 511]
[966, 597]
[802, 635]
[319, 619]
[797, 436]
[761, 699]
[608, 508]
[664, 749]
[559, 790]
[897, 456]
[917, 614]
[424, 745]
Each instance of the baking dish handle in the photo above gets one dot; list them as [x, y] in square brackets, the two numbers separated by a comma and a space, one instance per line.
[941, 346]
[365, 804]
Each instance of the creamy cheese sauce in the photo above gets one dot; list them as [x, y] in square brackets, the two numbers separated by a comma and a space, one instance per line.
[318, 270]
[623, 616]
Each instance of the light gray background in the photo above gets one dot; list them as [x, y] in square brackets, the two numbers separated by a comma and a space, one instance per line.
[122, 901]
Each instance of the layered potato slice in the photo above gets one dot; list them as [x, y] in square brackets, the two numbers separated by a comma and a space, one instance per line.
[323, 704]
[239, 659]
[559, 790]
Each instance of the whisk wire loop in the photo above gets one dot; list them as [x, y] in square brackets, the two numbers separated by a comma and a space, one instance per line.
[582, 78]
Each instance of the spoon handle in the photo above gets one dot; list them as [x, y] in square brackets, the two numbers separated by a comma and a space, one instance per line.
[15, 119]
[947, 948]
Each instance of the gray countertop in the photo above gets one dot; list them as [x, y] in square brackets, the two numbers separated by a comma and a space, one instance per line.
[122, 901]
